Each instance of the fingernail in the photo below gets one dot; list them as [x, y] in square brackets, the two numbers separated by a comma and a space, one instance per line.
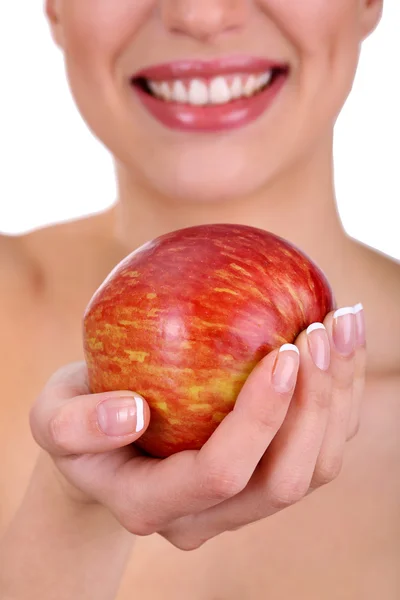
[121, 416]
[360, 324]
[284, 373]
[318, 344]
[344, 330]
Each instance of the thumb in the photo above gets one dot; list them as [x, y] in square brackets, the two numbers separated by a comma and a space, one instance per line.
[66, 419]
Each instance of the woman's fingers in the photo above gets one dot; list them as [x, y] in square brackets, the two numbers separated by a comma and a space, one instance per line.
[192, 496]
[146, 495]
[284, 474]
[288, 467]
[308, 448]
[67, 420]
[341, 327]
[245, 434]
[359, 372]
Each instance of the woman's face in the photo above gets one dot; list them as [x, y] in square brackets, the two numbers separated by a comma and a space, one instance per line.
[233, 147]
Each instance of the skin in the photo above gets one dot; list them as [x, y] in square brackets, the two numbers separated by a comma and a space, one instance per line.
[326, 544]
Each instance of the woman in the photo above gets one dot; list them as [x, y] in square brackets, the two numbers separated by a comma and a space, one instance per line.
[215, 111]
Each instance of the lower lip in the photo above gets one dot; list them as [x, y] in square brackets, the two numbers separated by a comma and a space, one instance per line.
[222, 117]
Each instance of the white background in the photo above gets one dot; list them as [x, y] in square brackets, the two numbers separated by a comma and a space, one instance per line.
[52, 168]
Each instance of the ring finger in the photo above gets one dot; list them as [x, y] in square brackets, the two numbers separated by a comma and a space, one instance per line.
[341, 327]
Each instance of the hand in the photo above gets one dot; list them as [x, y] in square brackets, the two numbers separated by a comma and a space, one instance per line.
[285, 437]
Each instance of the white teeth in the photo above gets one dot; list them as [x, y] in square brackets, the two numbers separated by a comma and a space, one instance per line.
[155, 87]
[265, 78]
[198, 93]
[250, 86]
[236, 87]
[179, 93]
[219, 91]
[165, 91]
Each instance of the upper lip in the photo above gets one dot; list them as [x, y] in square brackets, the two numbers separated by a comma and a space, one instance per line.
[180, 69]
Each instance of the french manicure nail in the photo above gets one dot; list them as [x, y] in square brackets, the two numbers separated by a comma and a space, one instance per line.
[284, 373]
[318, 344]
[121, 416]
[344, 330]
[360, 324]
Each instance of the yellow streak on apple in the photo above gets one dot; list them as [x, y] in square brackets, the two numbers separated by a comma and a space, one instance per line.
[240, 269]
[200, 408]
[226, 290]
[137, 355]
[95, 344]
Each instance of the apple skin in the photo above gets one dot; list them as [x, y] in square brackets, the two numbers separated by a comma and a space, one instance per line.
[185, 318]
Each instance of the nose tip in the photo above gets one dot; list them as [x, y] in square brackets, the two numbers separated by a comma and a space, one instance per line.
[203, 19]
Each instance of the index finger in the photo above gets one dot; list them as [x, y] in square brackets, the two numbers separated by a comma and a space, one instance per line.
[152, 493]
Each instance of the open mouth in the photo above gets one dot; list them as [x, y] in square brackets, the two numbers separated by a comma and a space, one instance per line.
[222, 89]
[209, 96]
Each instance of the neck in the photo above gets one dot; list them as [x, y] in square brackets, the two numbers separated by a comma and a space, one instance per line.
[299, 206]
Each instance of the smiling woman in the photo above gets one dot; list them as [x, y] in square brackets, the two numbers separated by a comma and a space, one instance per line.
[318, 48]
[215, 112]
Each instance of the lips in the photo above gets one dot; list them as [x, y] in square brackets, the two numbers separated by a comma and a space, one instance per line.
[209, 96]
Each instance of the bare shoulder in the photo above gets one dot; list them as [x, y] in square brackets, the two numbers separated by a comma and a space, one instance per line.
[385, 268]
[377, 277]
[59, 244]
[382, 273]
[41, 261]
[19, 272]
[23, 262]
[10, 252]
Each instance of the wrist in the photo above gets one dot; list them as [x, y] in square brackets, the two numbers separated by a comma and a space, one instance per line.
[49, 488]
[59, 486]
[75, 545]
[47, 475]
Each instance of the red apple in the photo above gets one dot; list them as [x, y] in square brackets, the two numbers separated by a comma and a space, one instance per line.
[185, 318]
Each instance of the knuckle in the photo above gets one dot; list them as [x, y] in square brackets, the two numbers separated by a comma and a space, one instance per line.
[134, 515]
[139, 526]
[186, 543]
[222, 483]
[70, 380]
[327, 470]
[320, 399]
[343, 377]
[59, 432]
[271, 414]
[136, 520]
[144, 529]
[289, 492]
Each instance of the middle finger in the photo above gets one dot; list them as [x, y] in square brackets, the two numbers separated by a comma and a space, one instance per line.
[285, 471]
[341, 328]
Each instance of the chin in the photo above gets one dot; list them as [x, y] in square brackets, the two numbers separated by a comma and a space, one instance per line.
[211, 174]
